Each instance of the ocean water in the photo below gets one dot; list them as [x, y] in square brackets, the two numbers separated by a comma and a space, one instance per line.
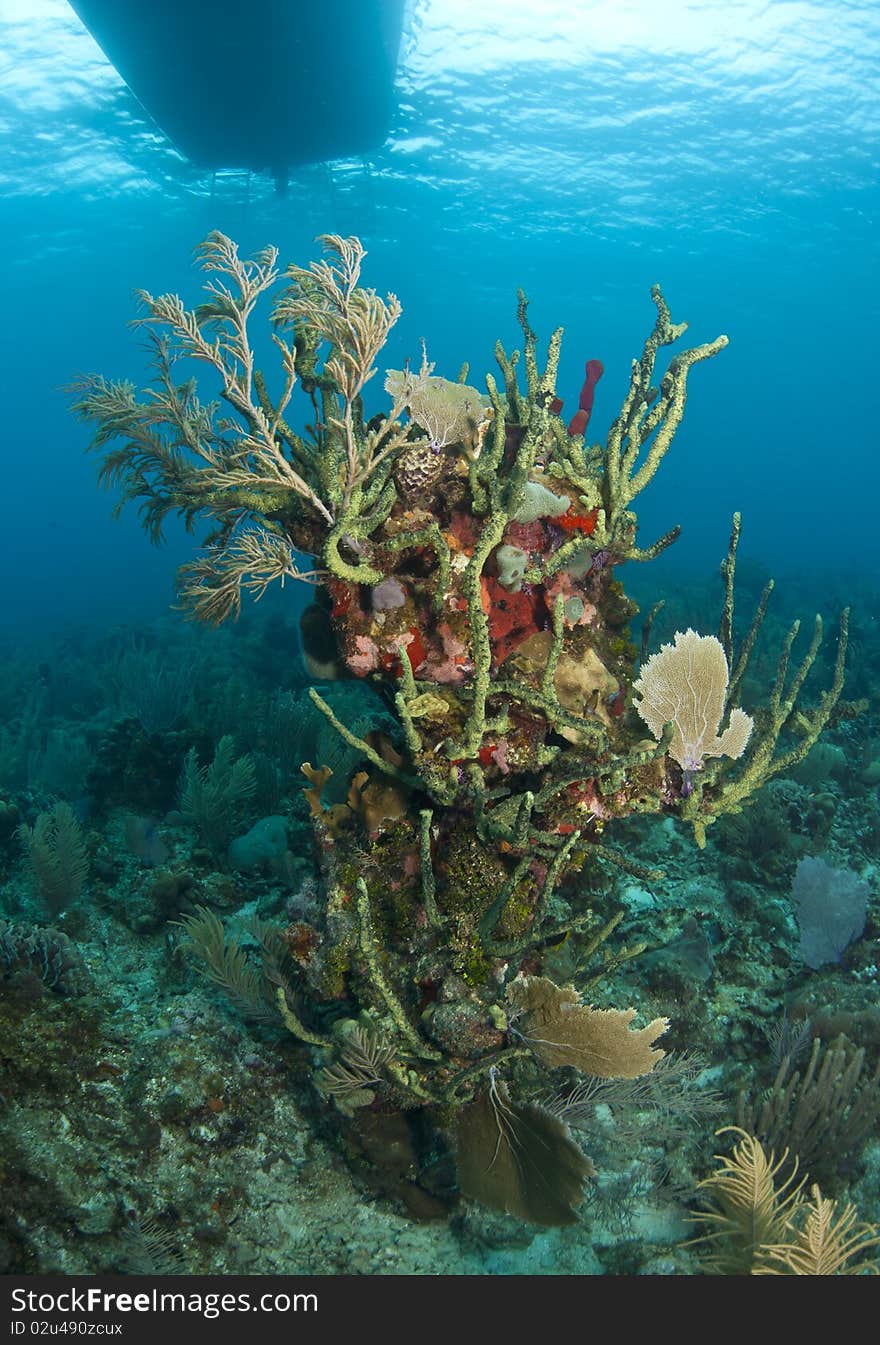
[727, 149]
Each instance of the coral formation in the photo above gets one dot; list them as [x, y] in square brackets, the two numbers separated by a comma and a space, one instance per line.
[467, 550]
[757, 1220]
[32, 960]
[56, 855]
[685, 685]
[832, 906]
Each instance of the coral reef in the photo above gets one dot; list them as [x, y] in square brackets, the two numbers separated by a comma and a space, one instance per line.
[34, 960]
[466, 548]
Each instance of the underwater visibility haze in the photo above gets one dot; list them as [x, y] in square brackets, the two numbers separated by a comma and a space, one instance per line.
[452, 847]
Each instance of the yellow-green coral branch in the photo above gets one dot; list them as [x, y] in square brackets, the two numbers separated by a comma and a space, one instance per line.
[429, 890]
[360, 744]
[646, 418]
[294, 1025]
[762, 761]
[368, 947]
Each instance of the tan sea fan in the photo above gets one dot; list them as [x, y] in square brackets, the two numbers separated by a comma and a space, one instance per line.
[563, 1031]
[520, 1158]
[448, 412]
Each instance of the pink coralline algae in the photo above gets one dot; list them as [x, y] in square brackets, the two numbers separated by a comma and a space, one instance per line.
[532, 537]
[365, 657]
[454, 664]
[577, 611]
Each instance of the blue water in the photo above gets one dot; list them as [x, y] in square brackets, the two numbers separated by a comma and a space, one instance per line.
[728, 150]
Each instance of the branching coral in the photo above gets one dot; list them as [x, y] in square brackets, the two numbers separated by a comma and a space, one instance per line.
[825, 1113]
[784, 732]
[56, 856]
[213, 798]
[757, 1221]
[251, 473]
[747, 1205]
[468, 547]
[648, 421]
[823, 1241]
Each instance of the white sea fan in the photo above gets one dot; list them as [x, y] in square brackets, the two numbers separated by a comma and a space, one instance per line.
[685, 684]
